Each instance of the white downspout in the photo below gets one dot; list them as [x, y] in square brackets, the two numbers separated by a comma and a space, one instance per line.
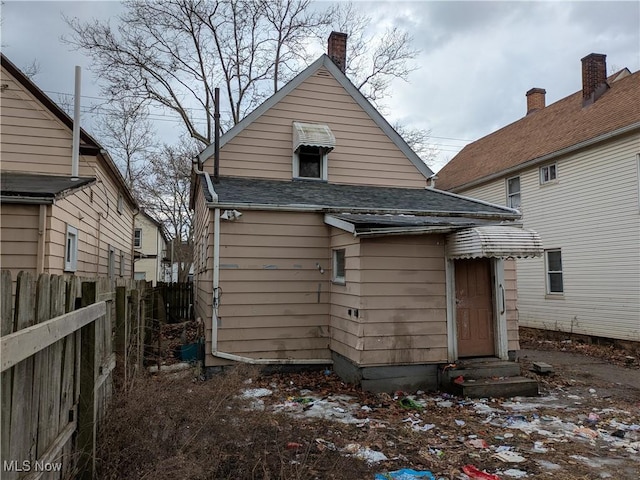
[216, 281]
[215, 300]
[75, 145]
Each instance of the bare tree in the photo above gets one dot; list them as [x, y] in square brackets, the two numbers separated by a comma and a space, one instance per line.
[373, 60]
[173, 53]
[129, 136]
[166, 186]
[418, 140]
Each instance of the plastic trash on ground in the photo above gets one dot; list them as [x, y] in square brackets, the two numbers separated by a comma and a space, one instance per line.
[474, 473]
[405, 474]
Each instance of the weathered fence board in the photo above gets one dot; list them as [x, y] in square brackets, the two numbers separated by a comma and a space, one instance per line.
[57, 368]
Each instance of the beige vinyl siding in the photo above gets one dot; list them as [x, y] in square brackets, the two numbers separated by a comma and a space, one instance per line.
[591, 212]
[346, 327]
[34, 140]
[275, 300]
[363, 153]
[19, 238]
[403, 297]
[99, 226]
[203, 264]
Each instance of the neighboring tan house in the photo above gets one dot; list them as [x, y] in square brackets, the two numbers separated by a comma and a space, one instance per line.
[573, 169]
[53, 221]
[150, 250]
[319, 243]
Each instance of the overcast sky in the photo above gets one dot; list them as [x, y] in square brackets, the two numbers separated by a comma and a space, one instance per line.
[477, 61]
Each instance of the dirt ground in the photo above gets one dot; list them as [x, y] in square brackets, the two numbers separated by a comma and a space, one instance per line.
[245, 425]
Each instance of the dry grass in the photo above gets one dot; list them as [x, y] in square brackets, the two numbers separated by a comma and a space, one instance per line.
[181, 429]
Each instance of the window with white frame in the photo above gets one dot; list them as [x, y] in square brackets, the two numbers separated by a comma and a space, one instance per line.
[338, 266]
[137, 238]
[312, 143]
[553, 261]
[120, 203]
[548, 173]
[71, 250]
[513, 192]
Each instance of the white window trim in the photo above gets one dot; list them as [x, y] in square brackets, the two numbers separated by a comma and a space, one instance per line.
[71, 254]
[548, 272]
[139, 245]
[324, 167]
[510, 195]
[541, 174]
[335, 278]
[120, 203]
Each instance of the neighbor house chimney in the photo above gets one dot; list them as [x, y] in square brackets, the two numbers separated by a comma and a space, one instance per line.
[535, 99]
[594, 77]
[337, 49]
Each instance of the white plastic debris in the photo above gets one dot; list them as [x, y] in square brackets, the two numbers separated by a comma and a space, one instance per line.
[510, 457]
[256, 393]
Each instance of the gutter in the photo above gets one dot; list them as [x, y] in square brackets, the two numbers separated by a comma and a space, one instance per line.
[508, 214]
[549, 156]
[27, 200]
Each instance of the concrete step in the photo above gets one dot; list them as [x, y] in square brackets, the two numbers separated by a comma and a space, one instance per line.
[480, 368]
[495, 387]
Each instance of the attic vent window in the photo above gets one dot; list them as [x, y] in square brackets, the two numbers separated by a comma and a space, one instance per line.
[312, 143]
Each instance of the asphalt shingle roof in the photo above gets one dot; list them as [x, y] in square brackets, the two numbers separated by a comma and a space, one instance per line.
[29, 185]
[558, 126]
[338, 197]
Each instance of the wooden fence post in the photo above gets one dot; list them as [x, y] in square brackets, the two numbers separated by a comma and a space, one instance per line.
[121, 339]
[137, 333]
[21, 393]
[87, 424]
[6, 327]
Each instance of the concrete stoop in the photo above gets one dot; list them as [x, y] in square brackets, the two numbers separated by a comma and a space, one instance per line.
[486, 377]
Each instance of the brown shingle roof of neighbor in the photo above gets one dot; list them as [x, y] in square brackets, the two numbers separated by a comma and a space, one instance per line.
[561, 125]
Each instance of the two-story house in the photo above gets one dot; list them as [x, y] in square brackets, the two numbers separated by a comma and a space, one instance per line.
[152, 262]
[63, 211]
[573, 169]
[318, 242]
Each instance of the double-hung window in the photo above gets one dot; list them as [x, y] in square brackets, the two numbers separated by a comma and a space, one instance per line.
[553, 263]
[312, 143]
[548, 173]
[513, 192]
[71, 250]
[137, 238]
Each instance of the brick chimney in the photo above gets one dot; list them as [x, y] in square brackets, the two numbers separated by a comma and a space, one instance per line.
[594, 77]
[337, 49]
[535, 99]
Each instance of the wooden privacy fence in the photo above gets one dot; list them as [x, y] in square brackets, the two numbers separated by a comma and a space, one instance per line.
[60, 345]
[178, 300]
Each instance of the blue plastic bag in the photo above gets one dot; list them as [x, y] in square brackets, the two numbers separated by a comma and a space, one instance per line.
[405, 474]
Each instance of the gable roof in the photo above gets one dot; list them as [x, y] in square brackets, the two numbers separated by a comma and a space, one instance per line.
[88, 144]
[19, 187]
[326, 62]
[241, 192]
[559, 128]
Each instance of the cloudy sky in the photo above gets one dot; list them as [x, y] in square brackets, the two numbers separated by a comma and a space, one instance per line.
[477, 60]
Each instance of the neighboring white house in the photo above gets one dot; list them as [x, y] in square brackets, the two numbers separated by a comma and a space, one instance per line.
[573, 169]
[150, 247]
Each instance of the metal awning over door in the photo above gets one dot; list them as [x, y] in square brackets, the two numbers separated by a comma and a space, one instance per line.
[495, 241]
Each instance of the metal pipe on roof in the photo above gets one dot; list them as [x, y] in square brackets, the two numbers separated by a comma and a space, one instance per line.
[75, 145]
[216, 136]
